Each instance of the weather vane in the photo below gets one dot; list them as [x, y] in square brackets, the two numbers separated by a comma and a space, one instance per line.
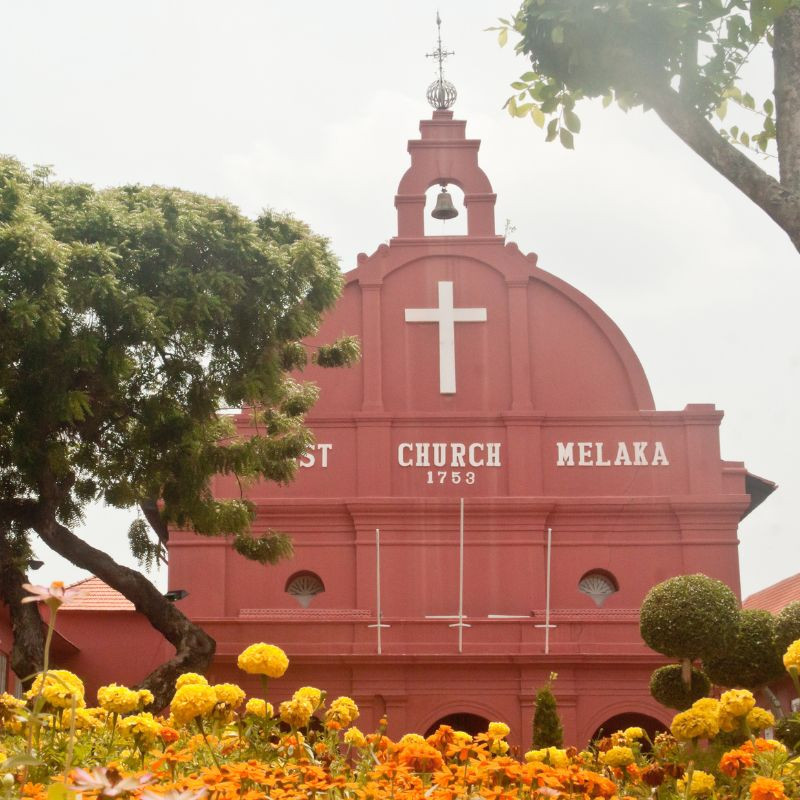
[441, 93]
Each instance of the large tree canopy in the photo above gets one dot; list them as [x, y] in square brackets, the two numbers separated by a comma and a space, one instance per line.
[128, 317]
[686, 60]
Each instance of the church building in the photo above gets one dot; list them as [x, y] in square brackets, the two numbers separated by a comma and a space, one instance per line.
[490, 496]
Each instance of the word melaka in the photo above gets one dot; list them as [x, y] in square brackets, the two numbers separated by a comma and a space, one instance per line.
[460, 455]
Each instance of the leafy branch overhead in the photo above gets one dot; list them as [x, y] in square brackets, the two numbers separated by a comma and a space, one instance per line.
[685, 59]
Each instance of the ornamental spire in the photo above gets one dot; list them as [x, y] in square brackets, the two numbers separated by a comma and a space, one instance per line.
[441, 93]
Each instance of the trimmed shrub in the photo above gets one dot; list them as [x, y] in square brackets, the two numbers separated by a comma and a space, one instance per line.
[753, 660]
[787, 626]
[689, 617]
[668, 688]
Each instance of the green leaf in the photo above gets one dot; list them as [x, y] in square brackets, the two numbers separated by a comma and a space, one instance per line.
[745, 139]
[769, 107]
[537, 116]
[607, 100]
[572, 121]
[519, 85]
[502, 37]
[566, 139]
[557, 35]
[528, 77]
[722, 109]
[524, 109]
[552, 130]
[748, 102]
[511, 106]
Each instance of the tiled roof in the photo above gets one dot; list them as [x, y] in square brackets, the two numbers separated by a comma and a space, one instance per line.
[96, 596]
[775, 597]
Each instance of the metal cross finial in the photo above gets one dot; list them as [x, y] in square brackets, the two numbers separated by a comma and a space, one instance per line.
[439, 54]
[441, 93]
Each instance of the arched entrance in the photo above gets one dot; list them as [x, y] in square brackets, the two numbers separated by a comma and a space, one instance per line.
[461, 721]
[619, 722]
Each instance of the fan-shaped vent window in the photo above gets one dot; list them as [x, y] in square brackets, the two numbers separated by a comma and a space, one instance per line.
[598, 585]
[304, 587]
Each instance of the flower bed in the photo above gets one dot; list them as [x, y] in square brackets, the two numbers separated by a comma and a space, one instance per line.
[218, 744]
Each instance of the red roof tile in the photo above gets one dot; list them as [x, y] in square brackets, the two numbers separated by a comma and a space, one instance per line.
[96, 596]
[775, 597]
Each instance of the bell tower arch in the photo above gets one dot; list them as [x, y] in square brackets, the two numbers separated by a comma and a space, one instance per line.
[444, 155]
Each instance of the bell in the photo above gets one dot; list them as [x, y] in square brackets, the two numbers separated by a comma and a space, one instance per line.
[444, 206]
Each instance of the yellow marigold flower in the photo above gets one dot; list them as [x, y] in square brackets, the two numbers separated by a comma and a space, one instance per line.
[142, 726]
[767, 789]
[85, 719]
[60, 687]
[634, 733]
[117, 699]
[498, 747]
[342, 710]
[759, 718]
[461, 738]
[694, 724]
[727, 721]
[737, 702]
[259, 708]
[229, 694]
[189, 678]
[707, 705]
[701, 784]
[554, 756]
[313, 695]
[618, 756]
[9, 706]
[263, 659]
[296, 712]
[498, 730]
[791, 658]
[192, 700]
[411, 738]
[355, 738]
[145, 698]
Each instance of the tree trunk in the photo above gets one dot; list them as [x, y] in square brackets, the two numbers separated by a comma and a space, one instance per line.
[786, 60]
[781, 203]
[686, 674]
[194, 647]
[27, 653]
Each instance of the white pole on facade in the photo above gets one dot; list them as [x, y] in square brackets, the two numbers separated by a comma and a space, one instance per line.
[460, 624]
[461, 580]
[547, 595]
[378, 583]
[379, 617]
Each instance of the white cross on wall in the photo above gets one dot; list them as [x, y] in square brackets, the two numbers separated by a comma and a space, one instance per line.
[446, 316]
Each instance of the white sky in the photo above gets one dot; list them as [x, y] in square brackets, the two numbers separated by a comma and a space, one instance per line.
[308, 106]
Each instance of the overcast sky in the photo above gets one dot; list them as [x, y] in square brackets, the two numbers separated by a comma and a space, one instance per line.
[307, 107]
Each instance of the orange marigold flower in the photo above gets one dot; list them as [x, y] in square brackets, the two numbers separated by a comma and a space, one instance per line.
[767, 789]
[734, 761]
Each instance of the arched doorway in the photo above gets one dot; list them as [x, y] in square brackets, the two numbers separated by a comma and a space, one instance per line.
[461, 721]
[632, 719]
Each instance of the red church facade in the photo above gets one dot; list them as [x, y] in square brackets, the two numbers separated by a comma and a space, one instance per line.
[487, 379]
[488, 385]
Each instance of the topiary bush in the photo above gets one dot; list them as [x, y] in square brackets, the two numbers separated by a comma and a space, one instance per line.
[753, 659]
[668, 688]
[547, 728]
[690, 617]
[787, 626]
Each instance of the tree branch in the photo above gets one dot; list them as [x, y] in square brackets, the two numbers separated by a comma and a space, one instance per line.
[194, 647]
[786, 61]
[778, 201]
